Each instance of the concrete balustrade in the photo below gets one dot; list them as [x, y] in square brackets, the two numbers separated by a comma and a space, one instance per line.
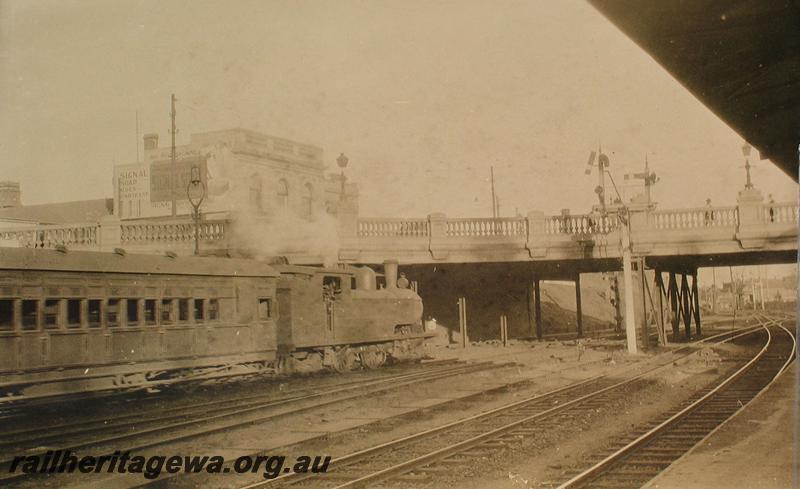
[76, 236]
[751, 225]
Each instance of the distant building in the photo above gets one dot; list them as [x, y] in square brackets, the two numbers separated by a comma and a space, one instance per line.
[245, 172]
[13, 214]
[10, 195]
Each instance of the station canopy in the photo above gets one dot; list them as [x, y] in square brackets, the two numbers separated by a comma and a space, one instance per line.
[740, 58]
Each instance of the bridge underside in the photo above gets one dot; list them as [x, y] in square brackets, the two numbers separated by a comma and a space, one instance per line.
[567, 269]
[740, 58]
[688, 262]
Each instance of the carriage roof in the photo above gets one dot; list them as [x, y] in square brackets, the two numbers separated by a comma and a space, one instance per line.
[307, 270]
[107, 262]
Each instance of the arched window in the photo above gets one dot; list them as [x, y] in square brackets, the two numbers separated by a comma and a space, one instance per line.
[283, 194]
[255, 192]
[308, 201]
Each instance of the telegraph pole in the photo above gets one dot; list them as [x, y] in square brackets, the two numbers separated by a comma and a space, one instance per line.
[173, 179]
[137, 136]
[714, 290]
[494, 199]
[627, 273]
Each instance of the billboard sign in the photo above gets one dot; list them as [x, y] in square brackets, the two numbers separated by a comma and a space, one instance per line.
[167, 179]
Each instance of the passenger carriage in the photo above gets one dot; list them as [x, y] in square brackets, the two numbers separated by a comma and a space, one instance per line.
[76, 321]
[84, 321]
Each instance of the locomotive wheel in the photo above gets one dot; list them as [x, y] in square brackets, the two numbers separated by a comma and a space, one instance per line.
[345, 360]
[373, 359]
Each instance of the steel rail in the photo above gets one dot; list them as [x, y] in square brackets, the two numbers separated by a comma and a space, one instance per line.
[405, 466]
[56, 431]
[5, 476]
[592, 472]
[763, 391]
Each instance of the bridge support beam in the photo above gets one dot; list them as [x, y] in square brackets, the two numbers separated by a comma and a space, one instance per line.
[684, 300]
[696, 296]
[578, 304]
[645, 320]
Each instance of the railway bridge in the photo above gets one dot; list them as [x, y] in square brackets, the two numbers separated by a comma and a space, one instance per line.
[658, 250]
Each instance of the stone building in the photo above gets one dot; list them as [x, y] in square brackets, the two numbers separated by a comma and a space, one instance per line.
[245, 172]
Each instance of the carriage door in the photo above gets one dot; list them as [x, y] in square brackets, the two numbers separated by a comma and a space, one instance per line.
[331, 291]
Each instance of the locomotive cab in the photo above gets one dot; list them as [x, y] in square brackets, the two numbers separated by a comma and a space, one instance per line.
[354, 313]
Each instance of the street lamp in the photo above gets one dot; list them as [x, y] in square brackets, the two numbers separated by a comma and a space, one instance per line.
[196, 192]
[746, 153]
[342, 161]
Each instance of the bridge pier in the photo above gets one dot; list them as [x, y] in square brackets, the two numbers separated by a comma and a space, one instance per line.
[683, 300]
[537, 307]
[578, 305]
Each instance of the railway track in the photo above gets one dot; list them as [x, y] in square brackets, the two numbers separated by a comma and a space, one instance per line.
[419, 457]
[72, 429]
[143, 430]
[635, 463]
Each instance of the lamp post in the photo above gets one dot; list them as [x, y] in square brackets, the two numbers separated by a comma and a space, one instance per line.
[196, 192]
[746, 153]
[342, 161]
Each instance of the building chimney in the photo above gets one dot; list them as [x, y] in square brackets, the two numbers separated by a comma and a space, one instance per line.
[150, 141]
[10, 195]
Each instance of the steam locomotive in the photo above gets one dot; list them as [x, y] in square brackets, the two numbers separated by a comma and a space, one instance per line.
[77, 322]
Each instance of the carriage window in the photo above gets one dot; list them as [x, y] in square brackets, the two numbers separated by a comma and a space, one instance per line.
[213, 309]
[133, 312]
[183, 309]
[150, 311]
[73, 313]
[166, 311]
[30, 314]
[112, 313]
[94, 313]
[6, 315]
[51, 307]
[264, 308]
[198, 309]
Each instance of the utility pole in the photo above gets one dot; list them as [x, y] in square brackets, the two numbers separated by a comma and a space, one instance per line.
[627, 273]
[172, 180]
[137, 136]
[494, 198]
[713, 290]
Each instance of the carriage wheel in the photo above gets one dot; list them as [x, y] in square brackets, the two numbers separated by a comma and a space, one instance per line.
[345, 360]
[373, 359]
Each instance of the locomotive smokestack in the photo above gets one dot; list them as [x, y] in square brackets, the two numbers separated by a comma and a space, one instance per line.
[390, 273]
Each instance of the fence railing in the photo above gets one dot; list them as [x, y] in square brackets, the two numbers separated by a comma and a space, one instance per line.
[171, 232]
[781, 213]
[480, 227]
[701, 217]
[49, 236]
[400, 228]
[140, 234]
[579, 224]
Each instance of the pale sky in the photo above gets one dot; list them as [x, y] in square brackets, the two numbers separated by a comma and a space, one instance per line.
[422, 96]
